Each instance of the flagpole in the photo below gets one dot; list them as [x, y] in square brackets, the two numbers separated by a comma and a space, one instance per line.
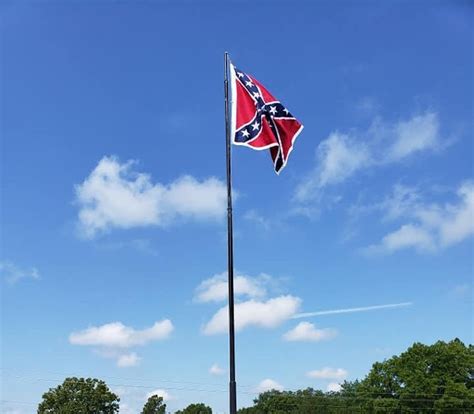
[230, 247]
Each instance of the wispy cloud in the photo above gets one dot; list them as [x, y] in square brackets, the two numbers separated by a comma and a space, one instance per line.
[343, 154]
[116, 196]
[351, 310]
[420, 133]
[338, 157]
[428, 227]
[12, 273]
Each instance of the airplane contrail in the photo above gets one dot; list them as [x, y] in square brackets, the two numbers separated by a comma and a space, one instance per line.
[351, 310]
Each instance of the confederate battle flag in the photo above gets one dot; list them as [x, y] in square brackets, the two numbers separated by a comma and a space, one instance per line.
[260, 121]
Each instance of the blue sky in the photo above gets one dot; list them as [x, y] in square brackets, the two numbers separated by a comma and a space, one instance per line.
[113, 173]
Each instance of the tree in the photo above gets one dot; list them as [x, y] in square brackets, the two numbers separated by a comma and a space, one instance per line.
[79, 396]
[154, 405]
[195, 409]
[422, 376]
[424, 379]
[307, 401]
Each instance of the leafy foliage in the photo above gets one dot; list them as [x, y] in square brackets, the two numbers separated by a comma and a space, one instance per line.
[195, 409]
[424, 379]
[154, 405]
[79, 396]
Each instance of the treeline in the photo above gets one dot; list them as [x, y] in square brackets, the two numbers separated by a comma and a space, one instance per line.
[430, 379]
[424, 379]
[93, 396]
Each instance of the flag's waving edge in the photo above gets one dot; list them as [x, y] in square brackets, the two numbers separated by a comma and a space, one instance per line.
[260, 121]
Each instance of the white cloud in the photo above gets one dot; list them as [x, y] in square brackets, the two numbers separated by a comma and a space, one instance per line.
[214, 289]
[115, 196]
[401, 202]
[13, 274]
[432, 226]
[417, 134]
[128, 360]
[216, 370]
[342, 155]
[267, 314]
[333, 387]
[268, 385]
[456, 222]
[110, 340]
[117, 335]
[160, 393]
[328, 373]
[338, 157]
[406, 236]
[306, 331]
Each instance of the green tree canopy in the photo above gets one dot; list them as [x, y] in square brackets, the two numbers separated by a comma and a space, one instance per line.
[154, 405]
[307, 401]
[424, 379]
[79, 396]
[195, 409]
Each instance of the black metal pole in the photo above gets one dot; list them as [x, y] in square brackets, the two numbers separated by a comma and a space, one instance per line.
[230, 248]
